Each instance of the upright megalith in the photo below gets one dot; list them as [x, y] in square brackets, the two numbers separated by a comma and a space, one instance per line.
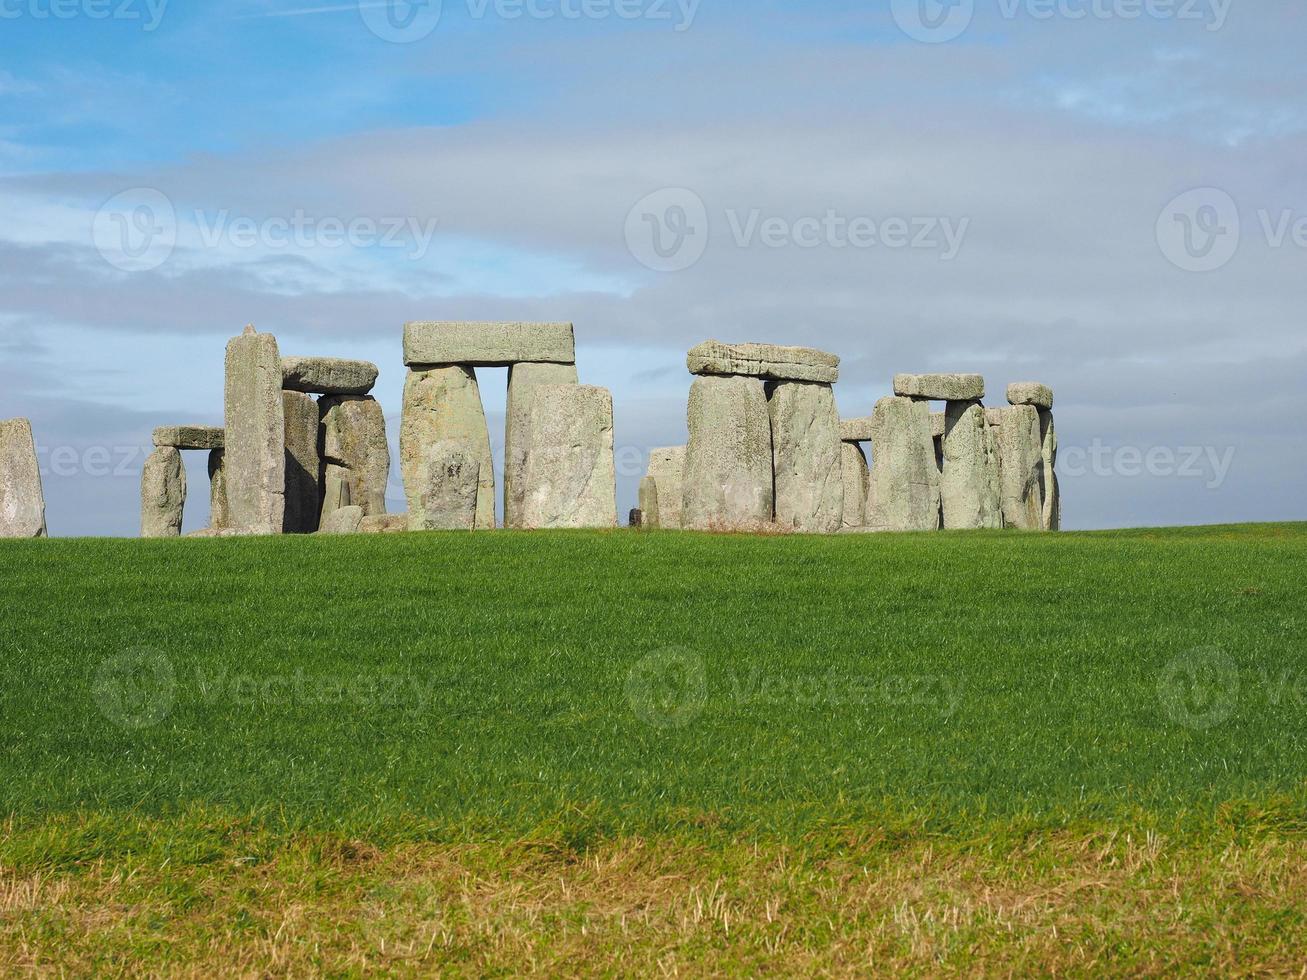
[327, 375]
[218, 510]
[1020, 455]
[163, 493]
[22, 501]
[444, 403]
[303, 466]
[255, 437]
[805, 433]
[855, 478]
[355, 456]
[570, 474]
[905, 482]
[524, 379]
[728, 481]
[648, 500]
[1052, 515]
[449, 499]
[666, 475]
[969, 485]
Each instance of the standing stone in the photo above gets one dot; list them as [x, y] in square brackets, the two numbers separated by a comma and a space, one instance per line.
[969, 486]
[667, 471]
[449, 499]
[347, 520]
[523, 380]
[218, 518]
[1052, 515]
[856, 479]
[163, 494]
[728, 481]
[937, 435]
[254, 433]
[805, 431]
[22, 501]
[905, 482]
[444, 403]
[303, 467]
[1020, 453]
[355, 456]
[571, 479]
[648, 509]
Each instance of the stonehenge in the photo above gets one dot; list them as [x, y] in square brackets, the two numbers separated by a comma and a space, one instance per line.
[254, 433]
[570, 476]
[807, 457]
[727, 483]
[664, 488]
[904, 490]
[163, 494]
[22, 500]
[449, 496]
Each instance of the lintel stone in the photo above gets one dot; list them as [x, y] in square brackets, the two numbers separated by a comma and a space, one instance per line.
[770, 361]
[327, 375]
[485, 344]
[189, 436]
[941, 387]
[856, 430]
[1030, 393]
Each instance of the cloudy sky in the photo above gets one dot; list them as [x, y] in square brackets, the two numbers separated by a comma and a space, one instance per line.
[1108, 196]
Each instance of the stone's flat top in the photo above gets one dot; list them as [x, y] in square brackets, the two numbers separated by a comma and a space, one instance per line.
[328, 375]
[1030, 393]
[941, 387]
[856, 430]
[190, 436]
[764, 361]
[487, 344]
[936, 424]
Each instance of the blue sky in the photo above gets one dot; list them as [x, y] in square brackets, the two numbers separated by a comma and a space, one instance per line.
[491, 167]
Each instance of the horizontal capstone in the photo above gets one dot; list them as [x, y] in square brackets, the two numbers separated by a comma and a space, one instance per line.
[941, 387]
[771, 361]
[1030, 393]
[190, 436]
[327, 375]
[485, 344]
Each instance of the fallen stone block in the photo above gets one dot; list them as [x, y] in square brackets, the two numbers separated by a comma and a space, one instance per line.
[809, 480]
[354, 453]
[969, 485]
[344, 521]
[856, 479]
[189, 436]
[523, 380]
[856, 430]
[1020, 453]
[449, 500]
[327, 375]
[905, 480]
[1030, 393]
[163, 494]
[22, 501]
[383, 524]
[667, 470]
[571, 480]
[254, 433]
[444, 404]
[728, 481]
[940, 387]
[303, 465]
[770, 361]
[476, 344]
[226, 532]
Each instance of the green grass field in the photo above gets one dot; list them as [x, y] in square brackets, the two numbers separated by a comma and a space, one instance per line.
[644, 752]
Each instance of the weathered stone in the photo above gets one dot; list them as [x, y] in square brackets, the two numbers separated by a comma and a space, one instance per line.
[635, 518]
[355, 456]
[383, 524]
[1052, 516]
[1030, 393]
[667, 470]
[904, 477]
[22, 501]
[327, 375]
[223, 532]
[189, 436]
[444, 403]
[163, 494]
[570, 476]
[523, 380]
[450, 497]
[1020, 451]
[728, 480]
[218, 514]
[969, 486]
[937, 424]
[255, 433]
[431, 343]
[303, 466]
[856, 479]
[346, 520]
[940, 387]
[770, 361]
[856, 430]
[648, 509]
[805, 431]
